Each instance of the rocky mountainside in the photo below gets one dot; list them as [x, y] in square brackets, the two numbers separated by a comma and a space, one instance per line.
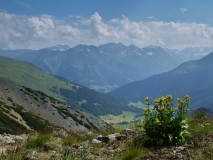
[22, 109]
[193, 77]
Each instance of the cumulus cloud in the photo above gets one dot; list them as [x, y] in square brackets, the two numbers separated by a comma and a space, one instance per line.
[35, 32]
[98, 27]
[20, 31]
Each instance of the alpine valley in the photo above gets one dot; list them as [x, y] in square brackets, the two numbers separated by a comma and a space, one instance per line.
[32, 99]
[56, 86]
[108, 66]
[193, 77]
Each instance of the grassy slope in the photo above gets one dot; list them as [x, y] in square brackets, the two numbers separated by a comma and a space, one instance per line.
[193, 78]
[28, 75]
[138, 104]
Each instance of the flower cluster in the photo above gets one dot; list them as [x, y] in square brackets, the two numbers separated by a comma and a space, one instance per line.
[166, 123]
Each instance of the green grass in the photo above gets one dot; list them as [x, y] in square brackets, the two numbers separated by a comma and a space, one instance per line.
[77, 137]
[132, 153]
[201, 126]
[105, 89]
[82, 102]
[124, 117]
[138, 104]
[38, 140]
[69, 155]
[28, 75]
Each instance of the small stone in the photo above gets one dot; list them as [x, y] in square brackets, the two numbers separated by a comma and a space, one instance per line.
[75, 146]
[34, 152]
[95, 141]
[128, 131]
[110, 148]
[8, 140]
[18, 139]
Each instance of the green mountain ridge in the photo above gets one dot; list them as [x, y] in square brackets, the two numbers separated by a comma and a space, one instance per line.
[77, 96]
[193, 77]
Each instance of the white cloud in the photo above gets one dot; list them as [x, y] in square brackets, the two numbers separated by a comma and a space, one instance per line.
[20, 31]
[28, 6]
[150, 17]
[98, 28]
[183, 10]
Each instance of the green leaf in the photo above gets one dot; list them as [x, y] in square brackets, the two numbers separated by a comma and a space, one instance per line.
[170, 137]
[161, 141]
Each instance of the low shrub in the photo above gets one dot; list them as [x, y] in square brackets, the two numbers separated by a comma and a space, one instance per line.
[201, 112]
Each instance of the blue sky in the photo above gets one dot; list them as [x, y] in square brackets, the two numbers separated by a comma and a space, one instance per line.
[172, 24]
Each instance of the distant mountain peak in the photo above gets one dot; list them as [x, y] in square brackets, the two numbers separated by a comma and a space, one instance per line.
[132, 46]
[113, 45]
[60, 47]
[151, 46]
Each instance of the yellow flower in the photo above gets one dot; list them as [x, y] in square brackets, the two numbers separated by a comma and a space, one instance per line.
[147, 103]
[180, 100]
[161, 108]
[169, 97]
[157, 121]
[53, 151]
[157, 100]
[187, 97]
[146, 111]
[187, 102]
[163, 98]
[180, 105]
[147, 98]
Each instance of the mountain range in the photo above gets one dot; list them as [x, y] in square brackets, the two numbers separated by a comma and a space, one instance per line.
[193, 77]
[108, 66]
[72, 94]
[30, 97]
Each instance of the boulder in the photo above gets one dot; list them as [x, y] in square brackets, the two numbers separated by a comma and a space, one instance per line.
[104, 139]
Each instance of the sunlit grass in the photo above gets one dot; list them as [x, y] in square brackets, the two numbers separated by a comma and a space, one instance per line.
[203, 126]
[77, 137]
[126, 116]
[38, 140]
[132, 153]
[138, 104]
[28, 75]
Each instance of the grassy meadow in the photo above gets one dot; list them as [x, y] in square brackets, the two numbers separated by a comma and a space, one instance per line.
[28, 75]
[124, 117]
